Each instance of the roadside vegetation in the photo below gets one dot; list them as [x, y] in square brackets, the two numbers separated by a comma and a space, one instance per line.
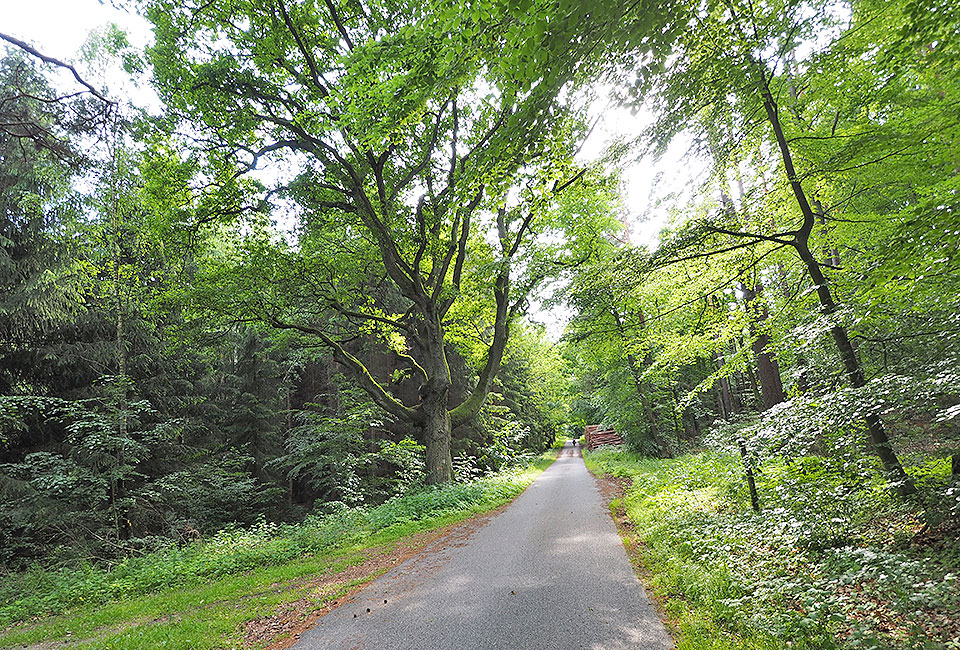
[832, 561]
[201, 594]
[242, 332]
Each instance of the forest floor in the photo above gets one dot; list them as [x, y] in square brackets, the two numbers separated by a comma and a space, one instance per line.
[268, 600]
[726, 578]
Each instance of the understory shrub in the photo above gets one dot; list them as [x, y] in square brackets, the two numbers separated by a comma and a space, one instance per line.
[233, 550]
[827, 563]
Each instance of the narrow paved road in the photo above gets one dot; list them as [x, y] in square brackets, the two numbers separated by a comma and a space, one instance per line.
[549, 571]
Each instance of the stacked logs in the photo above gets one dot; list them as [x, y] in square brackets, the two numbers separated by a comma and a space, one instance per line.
[594, 436]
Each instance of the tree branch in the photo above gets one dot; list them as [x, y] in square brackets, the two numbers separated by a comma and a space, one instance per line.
[377, 393]
[26, 47]
[340, 28]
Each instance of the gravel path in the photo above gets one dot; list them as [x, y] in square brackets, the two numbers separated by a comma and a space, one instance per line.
[549, 571]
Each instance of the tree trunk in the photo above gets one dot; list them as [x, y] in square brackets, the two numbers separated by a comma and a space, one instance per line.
[434, 402]
[751, 481]
[688, 420]
[851, 365]
[121, 517]
[752, 373]
[771, 386]
[436, 434]
[723, 399]
[898, 477]
[723, 392]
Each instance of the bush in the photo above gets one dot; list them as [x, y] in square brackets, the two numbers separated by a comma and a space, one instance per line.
[234, 550]
[826, 563]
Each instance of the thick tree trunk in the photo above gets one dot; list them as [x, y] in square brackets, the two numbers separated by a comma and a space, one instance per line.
[752, 374]
[771, 386]
[768, 370]
[688, 420]
[434, 402]
[723, 400]
[436, 433]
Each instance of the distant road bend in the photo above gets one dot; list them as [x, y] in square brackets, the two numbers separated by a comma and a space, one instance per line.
[549, 571]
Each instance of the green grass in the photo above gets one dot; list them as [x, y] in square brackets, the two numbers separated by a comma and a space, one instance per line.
[809, 572]
[200, 596]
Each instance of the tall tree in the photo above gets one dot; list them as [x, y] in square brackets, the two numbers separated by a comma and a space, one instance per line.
[37, 285]
[408, 141]
[737, 67]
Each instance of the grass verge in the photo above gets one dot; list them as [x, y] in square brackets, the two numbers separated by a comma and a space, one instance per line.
[808, 572]
[201, 596]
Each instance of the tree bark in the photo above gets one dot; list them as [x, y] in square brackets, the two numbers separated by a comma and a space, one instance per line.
[724, 394]
[436, 432]
[768, 370]
[851, 365]
[434, 400]
[751, 480]
[663, 445]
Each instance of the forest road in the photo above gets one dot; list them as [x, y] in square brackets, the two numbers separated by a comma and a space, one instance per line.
[549, 571]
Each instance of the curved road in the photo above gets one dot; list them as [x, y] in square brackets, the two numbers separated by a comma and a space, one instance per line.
[549, 571]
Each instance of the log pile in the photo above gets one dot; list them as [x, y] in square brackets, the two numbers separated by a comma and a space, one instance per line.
[594, 436]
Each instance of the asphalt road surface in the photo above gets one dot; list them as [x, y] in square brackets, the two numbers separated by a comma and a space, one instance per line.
[549, 571]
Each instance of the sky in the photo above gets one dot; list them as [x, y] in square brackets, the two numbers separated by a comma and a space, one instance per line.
[59, 28]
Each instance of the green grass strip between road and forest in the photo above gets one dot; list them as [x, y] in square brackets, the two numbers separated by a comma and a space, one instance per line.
[201, 595]
[815, 571]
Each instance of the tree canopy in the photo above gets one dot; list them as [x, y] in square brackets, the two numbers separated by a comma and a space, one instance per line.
[313, 279]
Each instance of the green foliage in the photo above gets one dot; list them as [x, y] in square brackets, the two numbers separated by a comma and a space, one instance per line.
[236, 550]
[86, 487]
[827, 564]
[431, 187]
[38, 284]
[330, 453]
[159, 319]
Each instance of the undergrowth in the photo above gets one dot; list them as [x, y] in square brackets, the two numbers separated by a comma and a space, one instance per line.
[825, 564]
[234, 552]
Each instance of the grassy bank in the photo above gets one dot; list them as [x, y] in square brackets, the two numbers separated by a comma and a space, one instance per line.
[200, 596]
[832, 565]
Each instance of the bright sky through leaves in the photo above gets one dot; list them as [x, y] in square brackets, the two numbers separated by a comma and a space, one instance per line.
[59, 28]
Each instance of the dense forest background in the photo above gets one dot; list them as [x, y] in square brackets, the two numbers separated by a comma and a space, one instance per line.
[307, 282]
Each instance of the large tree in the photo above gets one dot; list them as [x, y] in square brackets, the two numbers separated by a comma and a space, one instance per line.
[419, 164]
[753, 82]
[37, 284]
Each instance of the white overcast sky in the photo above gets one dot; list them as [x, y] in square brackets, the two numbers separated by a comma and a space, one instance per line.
[60, 27]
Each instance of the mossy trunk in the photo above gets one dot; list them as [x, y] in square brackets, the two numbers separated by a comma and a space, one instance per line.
[435, 402]
[437, 436]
